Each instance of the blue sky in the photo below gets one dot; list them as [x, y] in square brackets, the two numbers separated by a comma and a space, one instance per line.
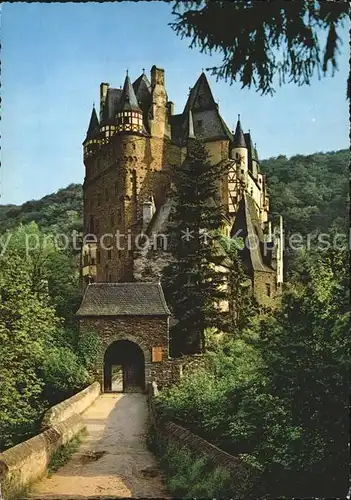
[54, 57]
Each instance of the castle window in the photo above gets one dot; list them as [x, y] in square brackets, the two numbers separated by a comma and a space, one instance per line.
[112, 221]
[93, 261]
[119, 216]
[98, 256]
[86, 259]
[268, 289]
[242, 170]
[237, 156]
[99, 199]
[109, 254]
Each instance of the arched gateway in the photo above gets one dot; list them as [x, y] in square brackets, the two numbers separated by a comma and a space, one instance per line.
[124, 367]
[132, 321]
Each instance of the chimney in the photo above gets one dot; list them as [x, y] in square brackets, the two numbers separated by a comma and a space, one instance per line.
[157, 76]
[103, 92]
[170, 106]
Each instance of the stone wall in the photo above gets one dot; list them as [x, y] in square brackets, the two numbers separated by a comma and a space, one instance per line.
[75, 405]
[145, 331]
[243, 476]
[122, 175]
[261, 282]
[27, 462]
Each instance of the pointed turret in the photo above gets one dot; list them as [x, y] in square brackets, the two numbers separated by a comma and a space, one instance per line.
[129, 115]
[129, 101]
[92, 140]
[239, 139]
[239, 152]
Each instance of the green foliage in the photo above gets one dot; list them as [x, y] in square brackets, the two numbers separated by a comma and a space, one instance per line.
[89, 346]
[191, 281]
[64, 375]
[60, 212]
[27, 326]
[260, 42]
[189, 475]
[278, 396]
[310, 192]
[49, 265]
[38, 366]
[242, 304]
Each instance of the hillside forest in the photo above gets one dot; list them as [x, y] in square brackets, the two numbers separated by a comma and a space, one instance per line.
[273, 392]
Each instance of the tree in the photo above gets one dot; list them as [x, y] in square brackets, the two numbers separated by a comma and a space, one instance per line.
[262, 40]
[50, 265]
[242, 304]
[306, 352]
[27, 327]
[192, 283]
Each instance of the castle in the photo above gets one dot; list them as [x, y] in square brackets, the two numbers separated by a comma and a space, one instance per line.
[129, 146]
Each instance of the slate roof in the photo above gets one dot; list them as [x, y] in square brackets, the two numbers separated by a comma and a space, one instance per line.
[207, 122]
[123, 299]
[113, 99]
[239, 139]
[200, 96]
[129, 101]
[247, 225]
[142, 89]
[94, 126]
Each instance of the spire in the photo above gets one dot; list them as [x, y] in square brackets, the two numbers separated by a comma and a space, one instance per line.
[200, 96]
[94, 125]
[239, 139]
[191, 133]
[129, 101]
[255, 153]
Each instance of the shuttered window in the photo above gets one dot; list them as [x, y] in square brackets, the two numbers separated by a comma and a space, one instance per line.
[156, 354]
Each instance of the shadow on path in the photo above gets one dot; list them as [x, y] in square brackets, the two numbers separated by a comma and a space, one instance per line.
[113, 460]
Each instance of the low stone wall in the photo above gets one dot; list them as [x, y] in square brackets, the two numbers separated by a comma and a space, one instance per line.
[243, 476]
[27, 462]
[75, 405]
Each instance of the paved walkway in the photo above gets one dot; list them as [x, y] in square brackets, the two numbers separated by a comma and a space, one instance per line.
[113, 460]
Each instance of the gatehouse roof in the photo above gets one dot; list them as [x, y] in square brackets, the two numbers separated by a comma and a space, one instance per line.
[123, 299]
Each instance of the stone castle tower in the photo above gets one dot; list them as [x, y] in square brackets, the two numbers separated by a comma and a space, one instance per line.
[127, 151]
[130, 146]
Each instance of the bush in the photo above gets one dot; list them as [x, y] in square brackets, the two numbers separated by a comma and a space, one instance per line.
[187, 475]
[63, 374]
[89, 346]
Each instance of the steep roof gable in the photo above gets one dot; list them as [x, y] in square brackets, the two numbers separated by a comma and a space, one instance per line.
[142, 89]
[200, 97]
[123, 299]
